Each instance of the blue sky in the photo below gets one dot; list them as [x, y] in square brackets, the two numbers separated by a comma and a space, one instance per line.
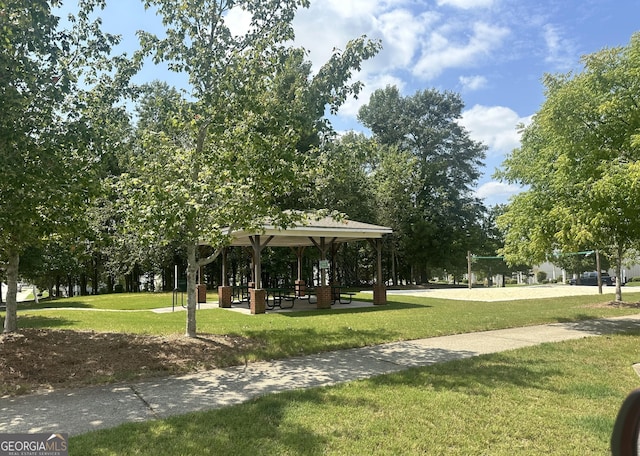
[493, 52]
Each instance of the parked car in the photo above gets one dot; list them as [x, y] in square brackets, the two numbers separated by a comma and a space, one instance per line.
[591, 278]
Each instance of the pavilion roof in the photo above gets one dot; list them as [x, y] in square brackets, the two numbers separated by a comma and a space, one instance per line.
[302, 233]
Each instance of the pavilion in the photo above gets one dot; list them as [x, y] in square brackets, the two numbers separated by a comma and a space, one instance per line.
[325, 233]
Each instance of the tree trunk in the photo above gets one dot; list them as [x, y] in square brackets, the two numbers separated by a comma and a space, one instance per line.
[192, 267]
[110, 284]
[83, 284]
[618, 279]
[11, 315]
[94, 279]
[58, 286]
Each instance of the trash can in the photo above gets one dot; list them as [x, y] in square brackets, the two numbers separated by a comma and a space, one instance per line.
[201, 293]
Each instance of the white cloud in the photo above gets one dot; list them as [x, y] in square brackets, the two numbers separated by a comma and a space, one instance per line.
[401, 32]
[352, 106]
[326, 26]
[561, 52]
[470, 83]
[440, 53]
[330, 24]
[350, 8]
[466, 4]
[496, 192]
[238, 20]
[495, 126]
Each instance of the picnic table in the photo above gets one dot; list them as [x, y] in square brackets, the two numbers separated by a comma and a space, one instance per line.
[240, 294]
[341, 294]
[279, 297]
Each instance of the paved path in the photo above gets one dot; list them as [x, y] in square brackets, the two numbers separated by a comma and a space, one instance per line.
[82, 410]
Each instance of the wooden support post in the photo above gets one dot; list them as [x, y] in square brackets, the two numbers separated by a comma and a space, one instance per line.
[323, 292]
[257, 294]
[379, 288]
[223, 281]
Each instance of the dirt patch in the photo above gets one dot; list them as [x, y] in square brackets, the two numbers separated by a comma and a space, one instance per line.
[36, 359]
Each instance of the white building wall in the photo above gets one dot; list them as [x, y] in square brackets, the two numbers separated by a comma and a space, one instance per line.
[561, 275]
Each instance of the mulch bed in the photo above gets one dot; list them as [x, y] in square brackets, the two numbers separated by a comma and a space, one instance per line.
[37, 359]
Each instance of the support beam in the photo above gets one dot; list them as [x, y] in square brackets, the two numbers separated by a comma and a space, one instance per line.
[323, 247]
[258, 247]
[379, 289]
[257, 304]
[299, 251]
[332, 271]
[300, 286]
[323, 293]
[223, 280]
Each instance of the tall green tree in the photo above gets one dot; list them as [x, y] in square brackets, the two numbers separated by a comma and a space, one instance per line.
[51, 79]
[580, 161]
[231, 149]
[341, 179]
[395, 181]
[447, 163]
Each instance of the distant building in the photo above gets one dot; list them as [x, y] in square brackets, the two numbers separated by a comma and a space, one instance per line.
[556, 273]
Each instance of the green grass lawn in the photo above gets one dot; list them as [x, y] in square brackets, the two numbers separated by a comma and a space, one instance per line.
[284, 335]
[553, 399]
[114, 301]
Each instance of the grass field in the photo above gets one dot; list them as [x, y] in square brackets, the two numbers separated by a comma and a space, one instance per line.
[554, 399]
[284, 335]
[557, 398]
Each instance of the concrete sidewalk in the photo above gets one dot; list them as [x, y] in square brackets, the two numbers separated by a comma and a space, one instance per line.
[82, 410]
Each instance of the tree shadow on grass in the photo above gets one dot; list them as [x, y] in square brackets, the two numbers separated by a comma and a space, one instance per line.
[600, 327]
[254, 428]
[279, 343]
[343, 309]
[480, 375]
[39, 321]
[52, 304]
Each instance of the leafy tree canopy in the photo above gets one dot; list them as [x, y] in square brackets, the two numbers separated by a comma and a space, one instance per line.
[227, 154]
[58, 87]
[580, 160]
[443, 221]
